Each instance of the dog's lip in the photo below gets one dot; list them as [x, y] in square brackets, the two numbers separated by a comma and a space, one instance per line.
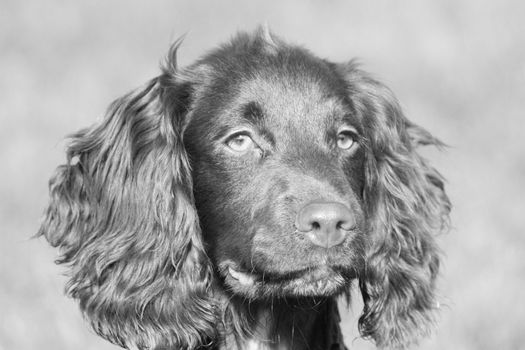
[244, 278]
[318, 273]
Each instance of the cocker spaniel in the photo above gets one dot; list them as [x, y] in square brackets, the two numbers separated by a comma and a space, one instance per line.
[227, 205]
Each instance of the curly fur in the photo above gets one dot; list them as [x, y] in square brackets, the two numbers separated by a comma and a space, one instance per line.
[123, 214]
[406, 206]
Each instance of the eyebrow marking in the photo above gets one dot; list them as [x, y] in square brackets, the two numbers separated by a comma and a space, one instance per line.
[252, 112]
[350, 120]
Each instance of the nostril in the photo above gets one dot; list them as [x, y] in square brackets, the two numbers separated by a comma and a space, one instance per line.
[345, 225]
[315, 225]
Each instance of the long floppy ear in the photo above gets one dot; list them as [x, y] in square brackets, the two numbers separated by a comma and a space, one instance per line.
[122, 213]
[406, 206]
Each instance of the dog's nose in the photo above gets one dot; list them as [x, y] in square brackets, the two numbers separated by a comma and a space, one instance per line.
[326, 224]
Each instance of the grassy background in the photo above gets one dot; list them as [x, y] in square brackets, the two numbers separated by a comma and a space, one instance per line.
[458, 68]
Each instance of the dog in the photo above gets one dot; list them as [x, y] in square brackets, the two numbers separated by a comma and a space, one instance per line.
[226, 205]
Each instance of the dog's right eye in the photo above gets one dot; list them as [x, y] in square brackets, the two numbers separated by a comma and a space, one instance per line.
[240, 143]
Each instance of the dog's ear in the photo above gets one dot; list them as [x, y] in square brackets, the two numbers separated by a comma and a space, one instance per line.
[407, 206]
[122, 213]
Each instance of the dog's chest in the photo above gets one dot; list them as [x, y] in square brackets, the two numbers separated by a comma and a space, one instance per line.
[256, 344]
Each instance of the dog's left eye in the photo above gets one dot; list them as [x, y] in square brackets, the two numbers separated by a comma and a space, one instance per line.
[346, 138]
[240, 143]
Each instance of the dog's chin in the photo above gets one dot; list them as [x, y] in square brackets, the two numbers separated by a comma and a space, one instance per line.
[321, 281]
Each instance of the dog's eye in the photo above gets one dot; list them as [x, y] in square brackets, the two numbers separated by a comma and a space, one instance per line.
[346, 138]
[240, 143]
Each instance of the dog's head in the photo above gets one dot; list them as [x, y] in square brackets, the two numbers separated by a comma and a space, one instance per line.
[278, 150]
[261, 170]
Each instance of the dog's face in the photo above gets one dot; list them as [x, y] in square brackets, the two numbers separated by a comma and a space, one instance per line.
[286, 139]
[260, 171]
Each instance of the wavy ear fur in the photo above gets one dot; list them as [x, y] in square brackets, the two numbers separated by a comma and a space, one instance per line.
[406, 206]
[122, 214]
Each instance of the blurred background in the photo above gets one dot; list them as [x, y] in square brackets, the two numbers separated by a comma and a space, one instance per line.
[458, 68]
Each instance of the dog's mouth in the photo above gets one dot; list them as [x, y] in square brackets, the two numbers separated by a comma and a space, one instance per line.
[315, 281]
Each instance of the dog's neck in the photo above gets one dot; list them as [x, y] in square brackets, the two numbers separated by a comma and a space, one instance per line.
[282, 325]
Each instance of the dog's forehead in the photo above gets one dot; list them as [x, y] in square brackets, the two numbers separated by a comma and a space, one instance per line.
[284, 91]
[291, 101]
